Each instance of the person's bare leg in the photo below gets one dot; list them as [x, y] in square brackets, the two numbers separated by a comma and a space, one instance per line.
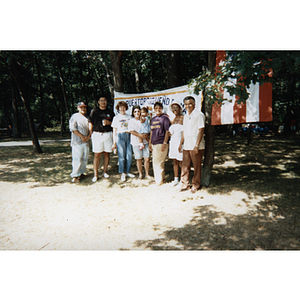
[176, 167]
[96, 163]
[105, 161]
[139, 165]
[147, 165]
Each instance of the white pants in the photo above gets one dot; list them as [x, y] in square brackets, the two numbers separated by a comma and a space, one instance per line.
[80, 156]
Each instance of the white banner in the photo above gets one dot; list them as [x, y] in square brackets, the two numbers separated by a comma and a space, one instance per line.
[166, 97]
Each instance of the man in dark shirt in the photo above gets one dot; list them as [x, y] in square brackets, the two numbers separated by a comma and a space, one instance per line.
[100, 121]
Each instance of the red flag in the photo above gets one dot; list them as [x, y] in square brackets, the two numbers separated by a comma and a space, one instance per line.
[257, 108]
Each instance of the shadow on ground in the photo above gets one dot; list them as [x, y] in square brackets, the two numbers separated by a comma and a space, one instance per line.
[19, 164]
[270, 169]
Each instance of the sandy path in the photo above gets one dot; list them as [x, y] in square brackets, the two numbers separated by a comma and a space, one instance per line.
[102, 216]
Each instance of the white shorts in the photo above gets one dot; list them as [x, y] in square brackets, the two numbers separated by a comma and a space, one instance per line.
[102, 141]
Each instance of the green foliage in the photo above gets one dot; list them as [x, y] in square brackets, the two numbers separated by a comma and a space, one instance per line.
[235, 74]
[87, 74]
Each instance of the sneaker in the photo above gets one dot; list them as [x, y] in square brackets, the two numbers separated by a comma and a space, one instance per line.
[130, 175]
[105, 175]
[94, 179]
[75, 180]
[174, 183]
[123, 177]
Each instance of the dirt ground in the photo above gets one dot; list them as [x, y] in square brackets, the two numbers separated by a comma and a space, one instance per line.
[251, 204]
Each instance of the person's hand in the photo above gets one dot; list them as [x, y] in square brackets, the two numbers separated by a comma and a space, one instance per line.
[196, 150]
[163, 147]
[85, 138]
[114, 146]
[180, 148]
[150, 146]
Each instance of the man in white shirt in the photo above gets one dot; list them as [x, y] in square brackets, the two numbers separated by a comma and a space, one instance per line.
[192, 145]
[80, 136]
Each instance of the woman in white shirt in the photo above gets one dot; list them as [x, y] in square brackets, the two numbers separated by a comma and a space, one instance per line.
[121, 140]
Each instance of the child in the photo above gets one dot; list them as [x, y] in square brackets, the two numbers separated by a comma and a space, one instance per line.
[145, 126]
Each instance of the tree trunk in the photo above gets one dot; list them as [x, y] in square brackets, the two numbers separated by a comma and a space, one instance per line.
[97, 80]
[110, 85]
[16, 128]
[62, 83]
[116, 60]
[209, 151]
[173, 69]
[41, 91]
[15, 72]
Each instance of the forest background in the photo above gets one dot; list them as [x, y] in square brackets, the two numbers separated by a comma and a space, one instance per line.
[52, 82]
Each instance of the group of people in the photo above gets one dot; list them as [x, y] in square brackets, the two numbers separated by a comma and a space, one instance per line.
[182, 139]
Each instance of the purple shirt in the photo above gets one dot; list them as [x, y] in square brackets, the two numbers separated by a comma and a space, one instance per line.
[159, 127]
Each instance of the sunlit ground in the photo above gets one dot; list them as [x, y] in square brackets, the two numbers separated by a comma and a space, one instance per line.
[251, 204]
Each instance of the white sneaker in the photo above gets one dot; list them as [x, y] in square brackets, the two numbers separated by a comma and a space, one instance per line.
[123, 177]
[105, 175]
[130, 175]
[94, 179]
[174, 183]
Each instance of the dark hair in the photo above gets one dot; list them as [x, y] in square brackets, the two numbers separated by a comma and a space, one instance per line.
[158, 104]
[145, 109]
[133, 108]
[121, 103]
[189, 98]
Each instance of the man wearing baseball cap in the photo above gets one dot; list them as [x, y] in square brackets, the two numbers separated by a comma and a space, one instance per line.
[80, 137]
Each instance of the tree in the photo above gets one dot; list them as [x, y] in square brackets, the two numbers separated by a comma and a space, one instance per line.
[173, 69]
[236, 74]
[16, 71]
[209, 131]
[116, 61]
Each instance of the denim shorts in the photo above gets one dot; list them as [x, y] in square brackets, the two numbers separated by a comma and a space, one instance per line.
[139, 154]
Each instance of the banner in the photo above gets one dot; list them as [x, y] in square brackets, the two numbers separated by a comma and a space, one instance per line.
[166, 97]
[257, 108]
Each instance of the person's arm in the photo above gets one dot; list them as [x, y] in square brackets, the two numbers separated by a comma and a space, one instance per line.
[199, 138]
[91, 128]
[84, 138]
[150, 145]
[166, 139]
[139, 135]
[181, 143]
[114, 138]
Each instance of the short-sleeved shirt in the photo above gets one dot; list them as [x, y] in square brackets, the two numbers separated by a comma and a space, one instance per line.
[159, 126]
[145, 127]
[191, 125]
[80, 123]
[120, 122]
[135, 125]
[98, 115]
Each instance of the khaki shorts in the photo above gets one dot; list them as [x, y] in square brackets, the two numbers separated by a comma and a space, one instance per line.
[102, 141]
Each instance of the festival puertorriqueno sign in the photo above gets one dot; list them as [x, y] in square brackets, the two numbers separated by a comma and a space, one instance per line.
[166, 97]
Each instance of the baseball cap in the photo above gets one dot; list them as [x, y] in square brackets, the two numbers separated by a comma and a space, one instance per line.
[80, 104]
